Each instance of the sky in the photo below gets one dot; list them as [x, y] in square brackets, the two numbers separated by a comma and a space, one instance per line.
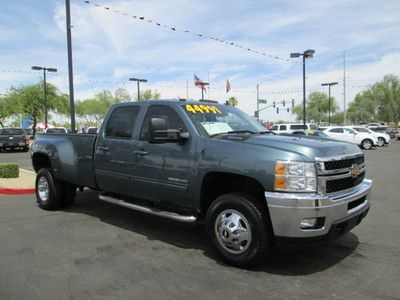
[110, 47]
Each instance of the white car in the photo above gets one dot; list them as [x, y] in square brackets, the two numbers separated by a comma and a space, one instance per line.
[346, 134]
[292, 128]
[56, 130]
[382, 137]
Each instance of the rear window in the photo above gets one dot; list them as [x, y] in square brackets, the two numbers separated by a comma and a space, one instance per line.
[12, 131]
[361, 129]
[296, 126]
[121, 122]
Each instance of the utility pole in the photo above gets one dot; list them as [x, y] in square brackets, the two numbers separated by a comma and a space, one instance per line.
[70, 66]
[329, 84]
[138, 85]
[258, 103]
[344, 88]
[187, 89]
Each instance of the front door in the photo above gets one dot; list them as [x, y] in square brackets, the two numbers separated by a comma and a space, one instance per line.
[162, 171]
[113, 150]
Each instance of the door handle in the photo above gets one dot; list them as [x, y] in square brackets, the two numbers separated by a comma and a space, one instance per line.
[140, 152]
[103, 148]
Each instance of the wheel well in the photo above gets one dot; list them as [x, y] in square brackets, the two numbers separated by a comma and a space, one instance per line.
[40, 160]
[216, 184]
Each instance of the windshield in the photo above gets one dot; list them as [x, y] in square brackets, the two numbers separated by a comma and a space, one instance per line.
[218, 119]
[12, 131]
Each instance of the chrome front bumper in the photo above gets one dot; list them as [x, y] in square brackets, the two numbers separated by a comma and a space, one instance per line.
[287, 210]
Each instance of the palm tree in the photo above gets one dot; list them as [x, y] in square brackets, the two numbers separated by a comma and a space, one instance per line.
[232, 101]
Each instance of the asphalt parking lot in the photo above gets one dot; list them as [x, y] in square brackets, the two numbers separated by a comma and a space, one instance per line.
[97, 250]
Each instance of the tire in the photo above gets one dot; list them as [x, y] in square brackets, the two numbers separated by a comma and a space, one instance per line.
[366, 144]
[246, 213]
[381, 142]
[48, 190]
[69, 193]
[26, 149]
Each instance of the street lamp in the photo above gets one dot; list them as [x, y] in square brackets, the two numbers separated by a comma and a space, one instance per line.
[329, 84]
[36, 68]
[138, 88]
[306, 54]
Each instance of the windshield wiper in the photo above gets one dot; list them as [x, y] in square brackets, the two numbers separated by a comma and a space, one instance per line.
[232, 132]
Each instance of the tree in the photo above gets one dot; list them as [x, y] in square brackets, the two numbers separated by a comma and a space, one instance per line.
[7, 108]
[387, 96]
[317, 108]
[149, 95]
[232, 101]
[363, 109]
[29, 100]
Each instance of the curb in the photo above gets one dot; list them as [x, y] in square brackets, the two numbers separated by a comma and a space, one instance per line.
[11, 191]
[8, 191]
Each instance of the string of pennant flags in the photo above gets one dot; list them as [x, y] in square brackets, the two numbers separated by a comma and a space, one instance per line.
[186, 31]
[170, 86]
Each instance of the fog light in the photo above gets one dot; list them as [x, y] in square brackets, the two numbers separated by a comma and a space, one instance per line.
[312, 223]
[308, 223]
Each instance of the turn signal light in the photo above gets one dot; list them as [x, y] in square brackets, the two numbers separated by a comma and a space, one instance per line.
[280, 183]
[280, 168]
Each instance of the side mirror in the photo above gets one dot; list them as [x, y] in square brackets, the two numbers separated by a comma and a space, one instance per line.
[159, 133]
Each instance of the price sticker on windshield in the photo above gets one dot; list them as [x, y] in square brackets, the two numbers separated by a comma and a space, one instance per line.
[202, 109]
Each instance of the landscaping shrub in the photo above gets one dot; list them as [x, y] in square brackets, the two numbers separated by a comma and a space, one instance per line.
[9, 170]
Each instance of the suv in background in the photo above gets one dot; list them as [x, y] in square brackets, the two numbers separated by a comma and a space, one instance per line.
[12, 138]
[382, 136]
[292, 128]
[345, 134]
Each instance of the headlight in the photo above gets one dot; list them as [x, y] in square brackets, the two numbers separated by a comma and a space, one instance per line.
[295, 176]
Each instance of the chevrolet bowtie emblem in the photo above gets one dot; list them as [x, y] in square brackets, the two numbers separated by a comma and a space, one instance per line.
[355, 170]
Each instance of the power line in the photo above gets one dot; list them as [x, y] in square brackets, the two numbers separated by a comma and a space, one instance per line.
[199, 35]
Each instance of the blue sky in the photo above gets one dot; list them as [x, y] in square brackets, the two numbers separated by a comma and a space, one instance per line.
[112, 47]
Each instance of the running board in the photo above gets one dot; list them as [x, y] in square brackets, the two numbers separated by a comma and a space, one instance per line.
[156, 212]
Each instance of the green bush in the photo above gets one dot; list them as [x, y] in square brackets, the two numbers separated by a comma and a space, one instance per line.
[9, 170]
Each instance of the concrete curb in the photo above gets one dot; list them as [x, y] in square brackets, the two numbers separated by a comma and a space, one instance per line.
[20, 191]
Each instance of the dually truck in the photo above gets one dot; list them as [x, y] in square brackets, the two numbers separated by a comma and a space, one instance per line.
[213, 164]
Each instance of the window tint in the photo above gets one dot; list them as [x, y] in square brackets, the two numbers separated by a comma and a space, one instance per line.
[165, 112]
[313, 127]
[361, 129]
[348, 130]
[120, 125]
[283, 127]
[336, 130]
[297, 126]
[274, 127]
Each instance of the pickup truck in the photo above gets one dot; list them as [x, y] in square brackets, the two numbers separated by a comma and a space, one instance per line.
[209, 163]
[13, 138]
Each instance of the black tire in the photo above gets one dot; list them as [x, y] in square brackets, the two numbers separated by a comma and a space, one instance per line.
[366, 144]
[258, 221]
[26, 149]
[381, 142]
[69, 193]
[54, 190]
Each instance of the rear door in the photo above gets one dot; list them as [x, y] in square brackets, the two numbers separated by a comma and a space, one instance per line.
[113, 150]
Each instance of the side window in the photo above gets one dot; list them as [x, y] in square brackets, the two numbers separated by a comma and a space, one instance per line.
[275, 127]
[121, 122]
[336, 130]
[283, 127]
[313, 127]
[161, 111]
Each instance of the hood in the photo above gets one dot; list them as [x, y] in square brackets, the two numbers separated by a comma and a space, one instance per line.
[310, 147]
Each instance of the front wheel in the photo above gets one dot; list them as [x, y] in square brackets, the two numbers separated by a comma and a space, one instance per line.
[366, 144]
[239, 228]
[48, 190]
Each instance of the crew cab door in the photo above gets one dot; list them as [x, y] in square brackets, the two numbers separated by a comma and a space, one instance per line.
[113, 150]
[161, 172]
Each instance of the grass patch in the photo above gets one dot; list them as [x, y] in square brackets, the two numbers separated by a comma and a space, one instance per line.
[9, 170]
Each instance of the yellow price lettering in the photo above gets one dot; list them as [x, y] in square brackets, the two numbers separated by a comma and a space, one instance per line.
[190, 108]
[197, 108]
[205, 108]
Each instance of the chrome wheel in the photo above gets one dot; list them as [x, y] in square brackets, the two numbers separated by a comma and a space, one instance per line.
[233, 231]
[43, 188]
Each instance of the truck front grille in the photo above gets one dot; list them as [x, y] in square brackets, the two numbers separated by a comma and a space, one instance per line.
[336, 174]
[342, 184]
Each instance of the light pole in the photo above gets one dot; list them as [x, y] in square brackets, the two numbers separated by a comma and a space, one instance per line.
[138, 88]
[329, 84]
[305, 54]
[36, 68]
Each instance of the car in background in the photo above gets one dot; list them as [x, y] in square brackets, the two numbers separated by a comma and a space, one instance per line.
[370, 125]
[345, 134]
[390, 131]
[382, 137]
[292, 128]
[29, 132]
[56, 130]
[397, 136]
[13, 138]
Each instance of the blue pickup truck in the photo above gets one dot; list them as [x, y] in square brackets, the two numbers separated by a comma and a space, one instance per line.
[205, 162]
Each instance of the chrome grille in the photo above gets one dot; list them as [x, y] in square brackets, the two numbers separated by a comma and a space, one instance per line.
[336, 174]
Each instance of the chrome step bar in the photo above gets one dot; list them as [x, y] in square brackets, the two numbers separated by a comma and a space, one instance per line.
[153, 211]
